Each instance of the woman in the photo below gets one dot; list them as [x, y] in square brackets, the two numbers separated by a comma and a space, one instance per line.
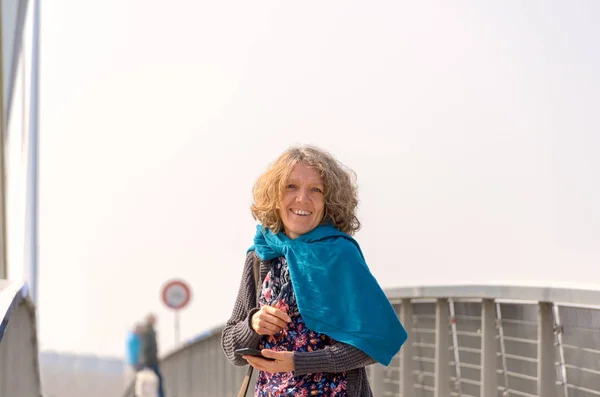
[320, 317]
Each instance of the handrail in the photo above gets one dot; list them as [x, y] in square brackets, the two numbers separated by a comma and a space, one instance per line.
[11, 296]
[472, 339]
[564, 295]
[525, 293]
[19, 366]
[194, 341]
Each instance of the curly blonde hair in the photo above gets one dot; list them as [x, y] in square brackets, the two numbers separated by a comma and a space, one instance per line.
[341, 196]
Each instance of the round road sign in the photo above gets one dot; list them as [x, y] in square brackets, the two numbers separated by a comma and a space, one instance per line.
[176, 294]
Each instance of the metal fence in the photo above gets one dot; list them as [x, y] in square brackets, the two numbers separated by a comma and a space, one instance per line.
[19, 369]
[479, 341]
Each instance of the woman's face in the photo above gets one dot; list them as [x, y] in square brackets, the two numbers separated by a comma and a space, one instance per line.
[303, 205]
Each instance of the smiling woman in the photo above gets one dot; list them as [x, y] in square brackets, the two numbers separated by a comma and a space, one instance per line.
[316, 333]
[311, 171]
[303, 203]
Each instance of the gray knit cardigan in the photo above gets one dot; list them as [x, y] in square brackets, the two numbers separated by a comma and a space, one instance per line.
[238, 333]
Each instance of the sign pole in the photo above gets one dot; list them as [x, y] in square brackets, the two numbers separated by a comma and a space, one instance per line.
[176, 294]
[176, 327]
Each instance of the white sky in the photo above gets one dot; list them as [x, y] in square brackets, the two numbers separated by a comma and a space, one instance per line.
[473, 128]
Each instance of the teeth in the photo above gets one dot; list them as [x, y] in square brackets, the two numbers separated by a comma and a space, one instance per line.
[300, 212]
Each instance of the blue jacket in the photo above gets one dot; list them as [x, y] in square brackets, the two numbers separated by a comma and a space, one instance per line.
[134, 345]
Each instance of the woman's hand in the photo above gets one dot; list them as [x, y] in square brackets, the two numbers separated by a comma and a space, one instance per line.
[283, 361]
[269, 320]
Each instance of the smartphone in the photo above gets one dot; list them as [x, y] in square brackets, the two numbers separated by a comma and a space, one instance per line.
[251, 352]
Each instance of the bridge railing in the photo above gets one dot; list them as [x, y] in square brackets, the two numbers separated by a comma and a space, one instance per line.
[463, 341]
[19, 369]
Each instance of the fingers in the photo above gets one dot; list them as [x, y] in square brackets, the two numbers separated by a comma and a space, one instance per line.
[279, 314]
[275, 316]
[275, 321]
[259, 363]
[277, 355]
[284, 361]
[264, 327]
[269, 321]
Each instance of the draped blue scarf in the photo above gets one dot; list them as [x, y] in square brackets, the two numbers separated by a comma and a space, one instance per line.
[336, 293]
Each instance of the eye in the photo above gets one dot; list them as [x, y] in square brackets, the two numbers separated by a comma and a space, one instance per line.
[316, 189]
[290, 186]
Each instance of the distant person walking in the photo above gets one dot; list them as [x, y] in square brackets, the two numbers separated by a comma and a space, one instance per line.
[149, 351]
[133, 348]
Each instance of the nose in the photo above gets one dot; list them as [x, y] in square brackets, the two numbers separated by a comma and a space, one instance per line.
[302, 196]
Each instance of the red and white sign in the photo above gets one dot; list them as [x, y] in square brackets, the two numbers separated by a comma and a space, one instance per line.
[176, 294]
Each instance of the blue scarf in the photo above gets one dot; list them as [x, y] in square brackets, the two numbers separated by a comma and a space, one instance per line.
[336, 293]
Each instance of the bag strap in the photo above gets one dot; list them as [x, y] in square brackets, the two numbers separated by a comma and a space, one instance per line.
[256, 272]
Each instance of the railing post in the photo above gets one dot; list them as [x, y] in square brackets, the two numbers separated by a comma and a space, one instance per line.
[407, 388]
[489, 379]
[546, 372]
[377, 372]
[442, 349]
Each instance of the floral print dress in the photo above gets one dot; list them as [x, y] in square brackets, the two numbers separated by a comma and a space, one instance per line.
[277, 291]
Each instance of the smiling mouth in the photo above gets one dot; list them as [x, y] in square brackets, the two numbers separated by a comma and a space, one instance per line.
[301, 212]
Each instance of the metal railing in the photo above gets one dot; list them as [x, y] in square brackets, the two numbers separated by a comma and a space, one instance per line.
[19, 369]
[200, 369]
[467, 341]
